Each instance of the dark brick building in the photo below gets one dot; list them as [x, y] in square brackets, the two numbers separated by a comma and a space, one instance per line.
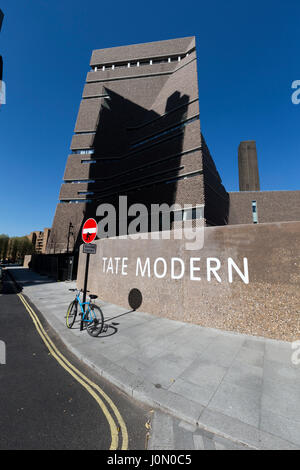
[138, 134]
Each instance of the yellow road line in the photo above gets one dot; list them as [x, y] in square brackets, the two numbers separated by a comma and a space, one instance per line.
[84, 381]
[92, 384]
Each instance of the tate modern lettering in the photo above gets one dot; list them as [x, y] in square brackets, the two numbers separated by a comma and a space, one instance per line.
[176, 268]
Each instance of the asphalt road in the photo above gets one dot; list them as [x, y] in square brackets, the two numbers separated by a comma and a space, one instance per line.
[43, 406]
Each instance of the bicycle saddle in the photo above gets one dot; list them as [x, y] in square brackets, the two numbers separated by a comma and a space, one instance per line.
[93, 296]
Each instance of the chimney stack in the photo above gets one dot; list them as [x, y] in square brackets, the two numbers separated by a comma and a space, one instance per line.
[248, 167]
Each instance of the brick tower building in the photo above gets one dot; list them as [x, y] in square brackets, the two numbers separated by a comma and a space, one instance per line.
[138, 134]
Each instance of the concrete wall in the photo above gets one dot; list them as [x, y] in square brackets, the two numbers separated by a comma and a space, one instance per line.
[27, 259]
[268, 305]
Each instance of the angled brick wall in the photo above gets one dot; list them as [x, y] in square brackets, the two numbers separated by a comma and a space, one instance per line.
[138, 134]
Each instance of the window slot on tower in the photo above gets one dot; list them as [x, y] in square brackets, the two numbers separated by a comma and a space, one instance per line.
[88, 162]
[254, 212]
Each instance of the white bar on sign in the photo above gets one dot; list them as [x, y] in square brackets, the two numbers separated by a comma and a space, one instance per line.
[89, 230]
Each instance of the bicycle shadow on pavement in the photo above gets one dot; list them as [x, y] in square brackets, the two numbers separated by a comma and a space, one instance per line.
[135, 300]
[110, 331]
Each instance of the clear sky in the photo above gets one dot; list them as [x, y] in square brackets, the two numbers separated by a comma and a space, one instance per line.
[248, 57]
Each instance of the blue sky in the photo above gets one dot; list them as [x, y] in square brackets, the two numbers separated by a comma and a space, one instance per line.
[248, 57]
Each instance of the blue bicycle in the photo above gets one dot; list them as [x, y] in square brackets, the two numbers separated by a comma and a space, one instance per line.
[92, 315]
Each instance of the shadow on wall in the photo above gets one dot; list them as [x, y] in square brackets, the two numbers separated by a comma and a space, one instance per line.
[217, 202]
[137, 153]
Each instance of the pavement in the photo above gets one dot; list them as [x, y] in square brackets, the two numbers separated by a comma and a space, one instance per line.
[225, 390]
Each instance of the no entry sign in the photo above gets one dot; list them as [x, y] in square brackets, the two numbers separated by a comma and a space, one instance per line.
[89, 231]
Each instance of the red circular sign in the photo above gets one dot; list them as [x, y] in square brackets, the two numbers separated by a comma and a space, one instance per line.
[89, 231]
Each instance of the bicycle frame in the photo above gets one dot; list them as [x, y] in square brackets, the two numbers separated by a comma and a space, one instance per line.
[85, 313]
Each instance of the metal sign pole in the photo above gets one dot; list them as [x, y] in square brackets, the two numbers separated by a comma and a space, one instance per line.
[85, 286]
[89, 233]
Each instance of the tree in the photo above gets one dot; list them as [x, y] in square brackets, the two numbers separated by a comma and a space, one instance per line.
[4, 242]
[15, 248]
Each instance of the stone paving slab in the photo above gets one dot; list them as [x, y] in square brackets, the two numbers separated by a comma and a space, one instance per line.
[170, 433]
[241, 388]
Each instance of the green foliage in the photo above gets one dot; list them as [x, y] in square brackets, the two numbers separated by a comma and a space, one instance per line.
[15, 248]
[4, 242]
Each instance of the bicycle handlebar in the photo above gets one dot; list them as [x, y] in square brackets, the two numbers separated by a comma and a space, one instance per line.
[77, 290]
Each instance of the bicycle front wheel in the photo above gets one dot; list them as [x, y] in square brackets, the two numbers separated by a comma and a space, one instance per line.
[96, 320]
[71, 314]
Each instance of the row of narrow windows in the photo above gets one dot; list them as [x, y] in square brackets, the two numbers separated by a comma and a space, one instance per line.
[91, 151]
[138, 63]
[137, 188]
[80, 181]
[168, 131]
[84, 151]
[76, 201]
[134, 170]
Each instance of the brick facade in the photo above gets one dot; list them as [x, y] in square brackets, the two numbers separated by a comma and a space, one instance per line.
[138, 134]
[272, 206]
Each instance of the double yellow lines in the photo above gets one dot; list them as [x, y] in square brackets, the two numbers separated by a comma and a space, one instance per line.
[109, 409]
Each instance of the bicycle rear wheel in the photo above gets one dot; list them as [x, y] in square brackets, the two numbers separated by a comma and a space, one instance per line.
[95, 326]
[71, 314]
